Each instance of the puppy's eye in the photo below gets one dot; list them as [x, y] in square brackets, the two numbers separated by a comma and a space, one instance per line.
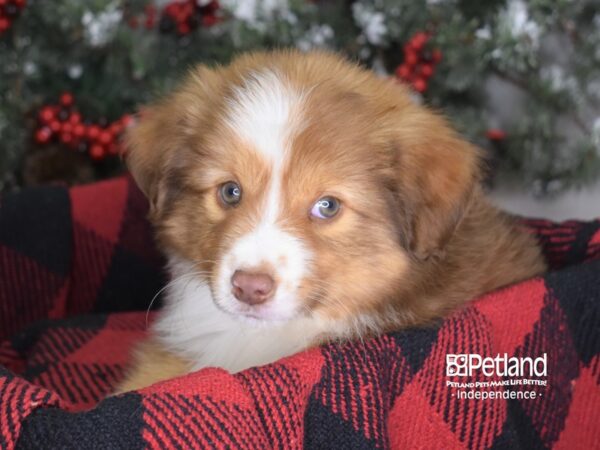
[325, 208]
[230, 193]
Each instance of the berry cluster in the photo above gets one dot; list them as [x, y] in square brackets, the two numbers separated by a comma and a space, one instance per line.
[184, 16]
[419, 61]
[149, 18]
[9, 11]
[63, 123]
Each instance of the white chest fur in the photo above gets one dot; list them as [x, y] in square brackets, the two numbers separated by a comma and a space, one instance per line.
[193, 327]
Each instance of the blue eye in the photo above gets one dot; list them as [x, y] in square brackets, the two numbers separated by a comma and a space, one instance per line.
[230, 193]
[325, 208]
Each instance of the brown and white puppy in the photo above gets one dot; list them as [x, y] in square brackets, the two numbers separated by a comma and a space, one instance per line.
[299, 199]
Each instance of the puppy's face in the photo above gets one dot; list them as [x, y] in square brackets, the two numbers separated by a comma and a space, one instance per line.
[290, 183]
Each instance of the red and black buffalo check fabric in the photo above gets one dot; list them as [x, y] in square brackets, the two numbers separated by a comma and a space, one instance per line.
[74, 262]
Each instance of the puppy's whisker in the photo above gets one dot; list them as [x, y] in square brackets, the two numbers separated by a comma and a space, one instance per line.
[161, 290]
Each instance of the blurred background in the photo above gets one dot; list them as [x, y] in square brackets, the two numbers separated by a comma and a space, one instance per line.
[519, 78]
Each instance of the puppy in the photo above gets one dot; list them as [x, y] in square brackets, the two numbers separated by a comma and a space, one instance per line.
[301, 199]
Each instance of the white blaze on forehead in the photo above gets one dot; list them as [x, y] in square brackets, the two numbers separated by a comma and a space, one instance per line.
[265, 113]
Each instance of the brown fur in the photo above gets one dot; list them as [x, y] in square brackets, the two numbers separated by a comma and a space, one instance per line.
[415, 238]
[153, 363]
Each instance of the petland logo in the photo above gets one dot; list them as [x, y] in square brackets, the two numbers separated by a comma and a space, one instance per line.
[465, 365]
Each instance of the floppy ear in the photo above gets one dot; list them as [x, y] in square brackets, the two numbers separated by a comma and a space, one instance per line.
[148, 146]
[437, 174]
[156, 143]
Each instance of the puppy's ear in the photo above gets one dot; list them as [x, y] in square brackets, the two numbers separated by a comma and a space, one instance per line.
[437, 174]
[148, 146]
[157, 142]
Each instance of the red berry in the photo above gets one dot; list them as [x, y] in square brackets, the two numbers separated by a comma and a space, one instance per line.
[209, 20]
[93, 132]
[436, 55]
[3, 2]
[410, 58]
[115, 128]
[97, 152]
[419, 40]
[127, 120]
[66, 138]
[47, 114]
[66, 99]
[66, 127]
[187, 10]
[420, 85]
[20, 3]
[55, 126]
[426, 70]
[495, 134]
[75, 118]
[403, 71]
[4, 24]
[183, 28]
[79, 130]
[43, 135]
[172, 9]
[105, 137]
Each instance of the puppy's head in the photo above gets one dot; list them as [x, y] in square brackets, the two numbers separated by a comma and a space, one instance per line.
[300, 184]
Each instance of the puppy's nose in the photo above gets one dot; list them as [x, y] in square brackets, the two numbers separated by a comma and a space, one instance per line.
[252, 288]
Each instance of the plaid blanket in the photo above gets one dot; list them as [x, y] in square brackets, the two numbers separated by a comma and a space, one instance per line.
[73, 262]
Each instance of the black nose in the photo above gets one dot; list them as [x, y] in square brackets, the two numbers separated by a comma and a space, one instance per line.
[252, 288]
